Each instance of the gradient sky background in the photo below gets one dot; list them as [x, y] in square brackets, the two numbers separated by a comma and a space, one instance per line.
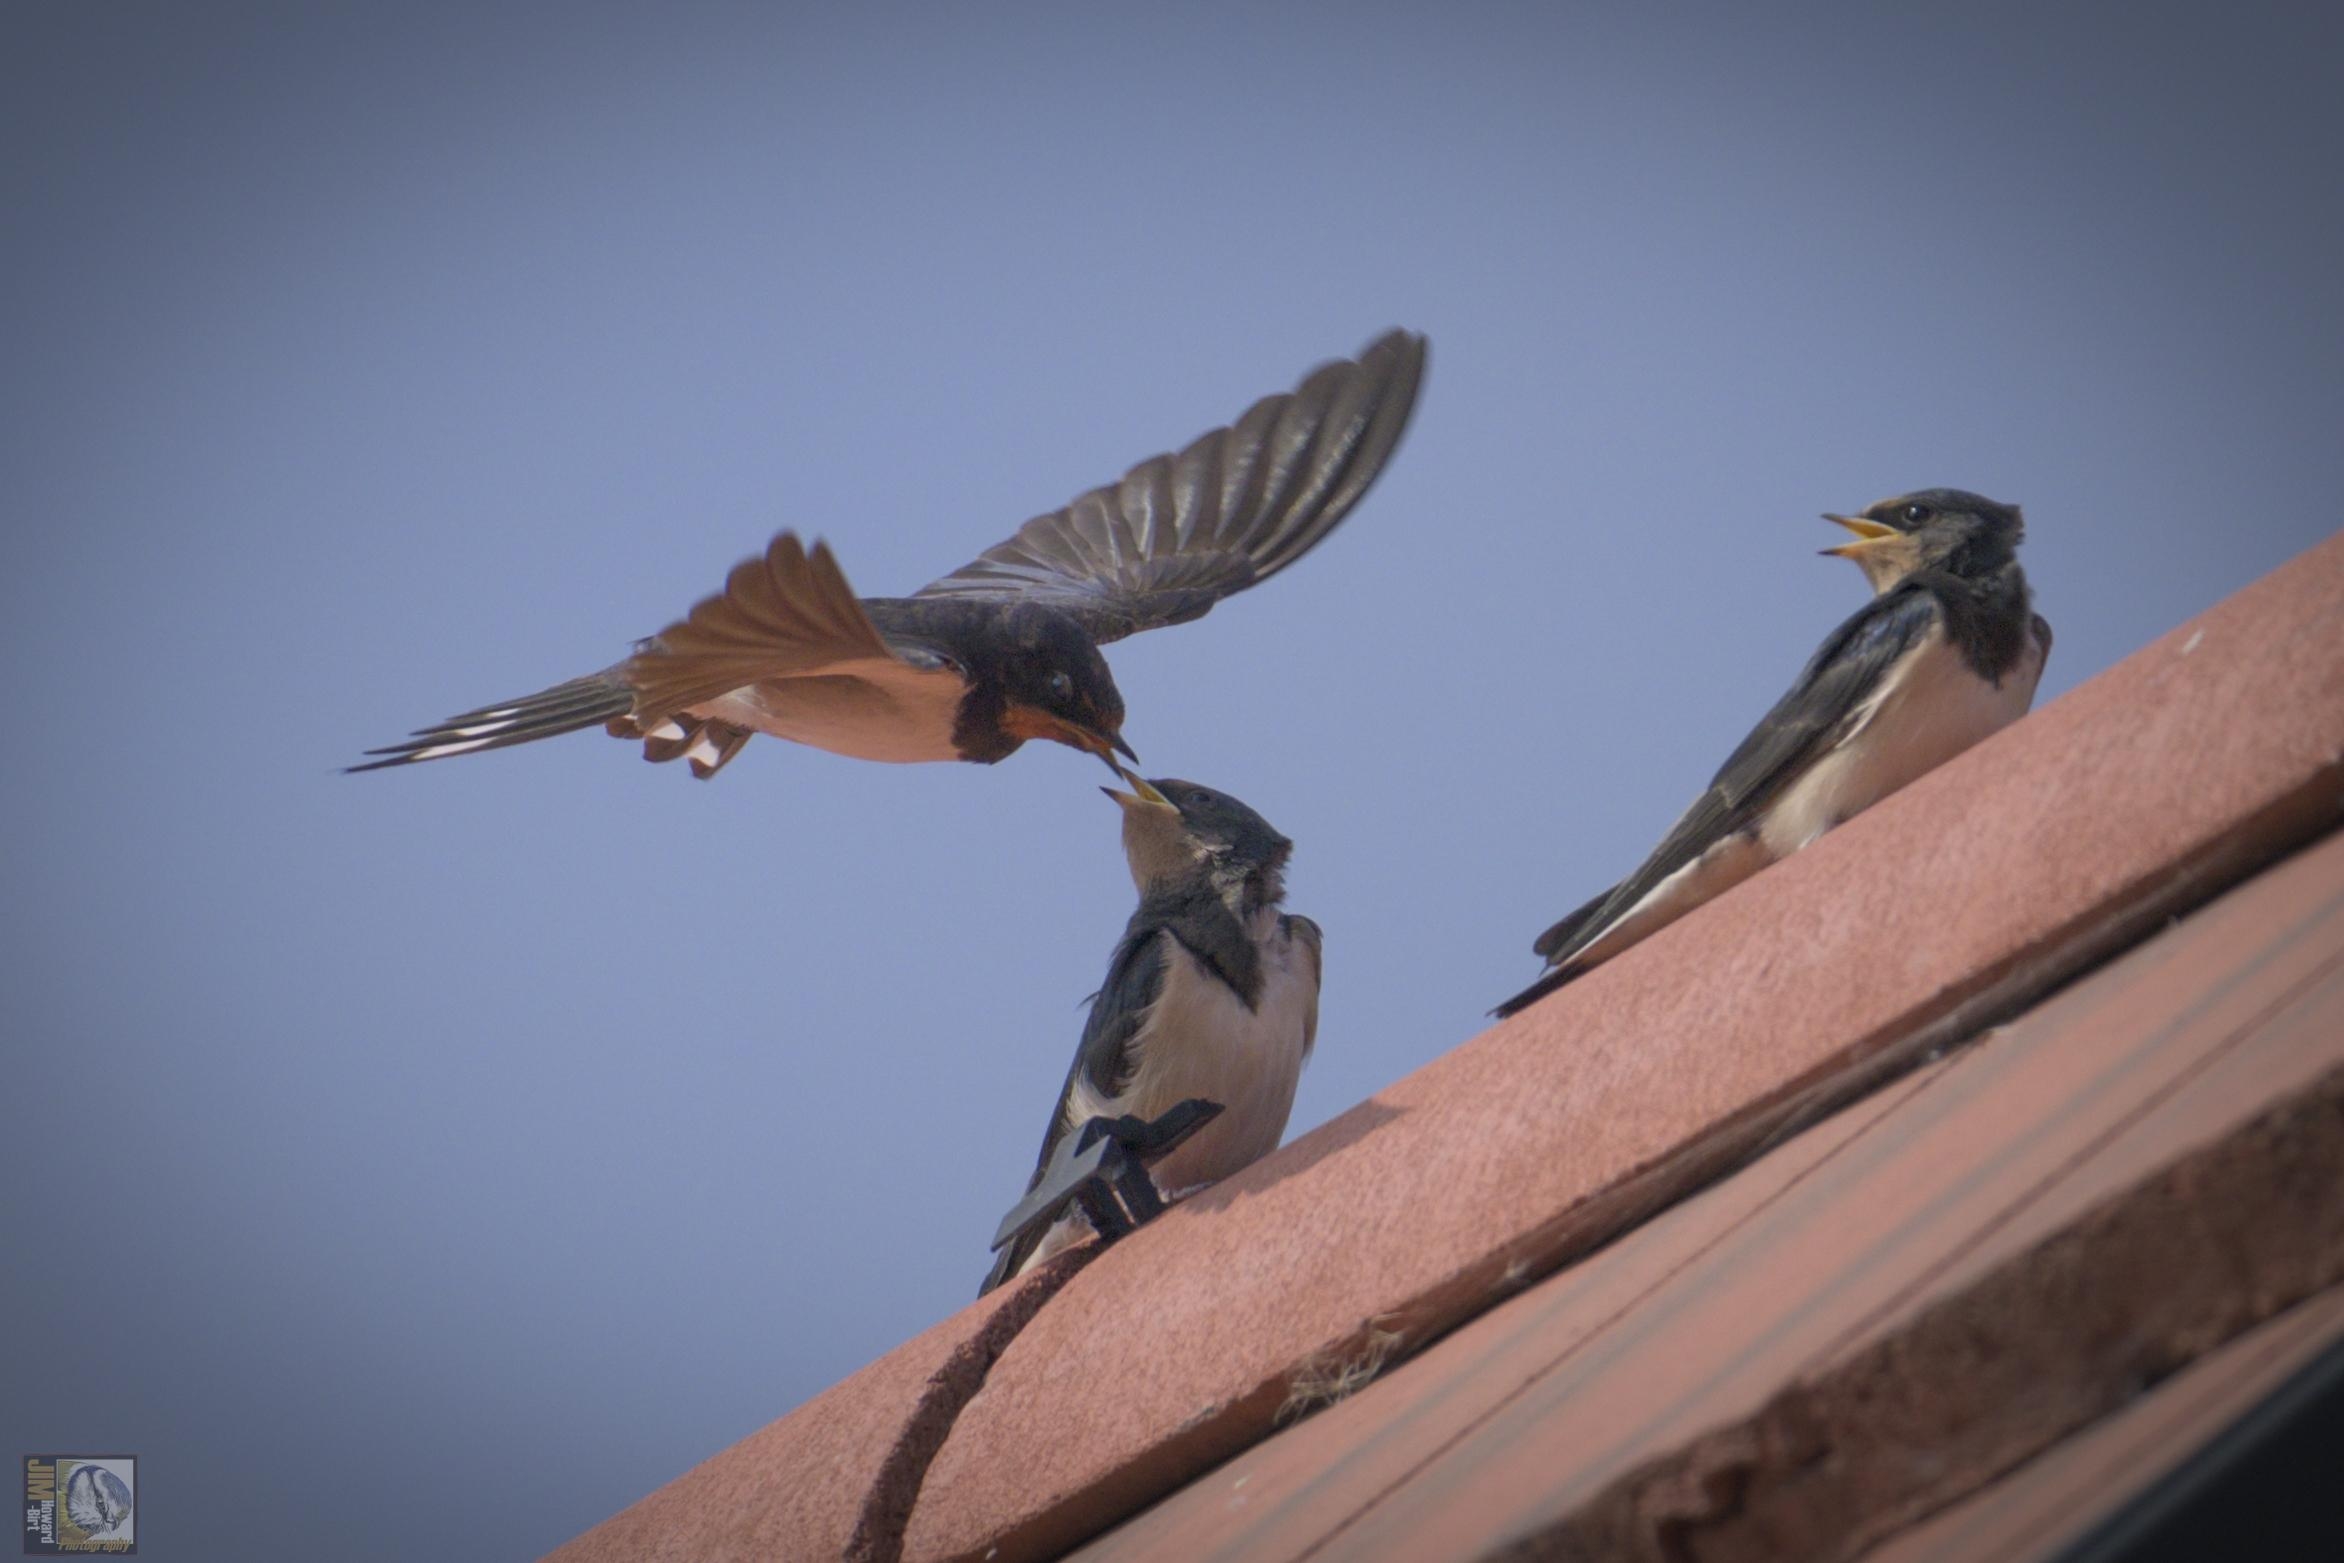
[429, 1164]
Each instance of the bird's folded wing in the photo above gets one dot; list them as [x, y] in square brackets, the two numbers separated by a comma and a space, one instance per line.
[1103, 1060]
[1835, 686]
[1306, 933]
[783, 613]
[1831, 693]
[1180, 532]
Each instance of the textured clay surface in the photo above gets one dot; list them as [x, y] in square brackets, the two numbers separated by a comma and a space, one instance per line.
[836, 1477]
[2033, 1514]
[1840, 1239]
[1991, 1375]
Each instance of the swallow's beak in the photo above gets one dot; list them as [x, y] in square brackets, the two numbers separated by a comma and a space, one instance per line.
[1090, 741]
[1105, 745]
[1868, 533]
[1024, 721]
[1143, 792]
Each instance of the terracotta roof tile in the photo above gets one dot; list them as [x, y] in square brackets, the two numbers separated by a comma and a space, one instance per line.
[1827, 1256]
[2033, 1514]
[835, 1478]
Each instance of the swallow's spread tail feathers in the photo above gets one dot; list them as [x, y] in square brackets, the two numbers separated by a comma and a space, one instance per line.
[592, 701]
[601, 699]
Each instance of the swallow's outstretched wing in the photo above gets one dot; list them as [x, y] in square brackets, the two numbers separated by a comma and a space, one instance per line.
[1181, 532]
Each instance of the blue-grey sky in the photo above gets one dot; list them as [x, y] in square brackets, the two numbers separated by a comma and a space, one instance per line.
[428, 1164]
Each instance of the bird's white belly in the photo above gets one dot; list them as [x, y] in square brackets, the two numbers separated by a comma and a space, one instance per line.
[1932, 709]
[870, 710]
[1199, 1039]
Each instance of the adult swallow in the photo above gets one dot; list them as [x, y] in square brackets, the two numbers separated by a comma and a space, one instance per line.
[1212, 992]
[1947, 652]
[1005, 648]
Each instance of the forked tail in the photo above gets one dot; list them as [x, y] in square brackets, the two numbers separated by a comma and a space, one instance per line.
[591, 701]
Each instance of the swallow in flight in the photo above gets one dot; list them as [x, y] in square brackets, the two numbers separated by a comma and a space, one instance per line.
[1212, 992]
[1948, 652]
[1005, 648]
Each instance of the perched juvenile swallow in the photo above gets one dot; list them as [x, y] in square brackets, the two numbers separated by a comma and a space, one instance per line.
[1947, 652]
[1005, 648]
[1212, 993]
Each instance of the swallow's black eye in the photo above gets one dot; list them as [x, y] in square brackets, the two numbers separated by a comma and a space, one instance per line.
[1916, 514]
[1200, 798]
[1061, 686]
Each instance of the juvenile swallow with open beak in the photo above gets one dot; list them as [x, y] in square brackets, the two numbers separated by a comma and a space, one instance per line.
[1212, 992]
[1005, 648]
[1948, 652]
